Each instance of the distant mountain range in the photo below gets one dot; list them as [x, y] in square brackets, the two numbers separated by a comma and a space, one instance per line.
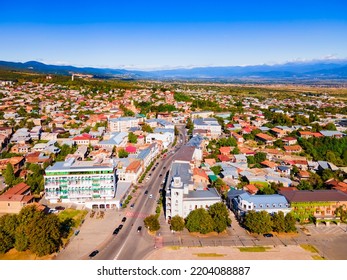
[319, 69]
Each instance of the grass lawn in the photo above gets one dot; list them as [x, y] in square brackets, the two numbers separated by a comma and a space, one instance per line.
[254, 249]
[209, 255]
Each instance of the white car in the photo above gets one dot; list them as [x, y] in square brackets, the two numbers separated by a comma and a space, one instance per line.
[151, 195]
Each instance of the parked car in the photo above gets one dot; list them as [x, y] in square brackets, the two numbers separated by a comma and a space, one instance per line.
[124, 219]
[151, 195]
[77, 232]
[94, 253]
[268, 235]
[120, 227]
[116, 231]
[132, 205]
[139, 228]
[146, 192]
[59, 208]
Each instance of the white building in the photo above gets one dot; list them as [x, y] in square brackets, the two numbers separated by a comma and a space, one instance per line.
[209, 124]
[202, 114]
[91, 183]
[166, 138]
[182, 197]
[122, 124]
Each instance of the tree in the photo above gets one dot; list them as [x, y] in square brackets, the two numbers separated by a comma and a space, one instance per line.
[177, 223]
[216, 169]
[289, 222]
[258, 222]
[6, 242]
[220, 216]
[199, 221]
[278, 223]
[152, 223]
[44, 235]
[341, 212]
[304, 185]
[9, 223]
[9, 175]
[330, 126]
[132, 138]
[122, 153]
[259, 157]
[147, 128]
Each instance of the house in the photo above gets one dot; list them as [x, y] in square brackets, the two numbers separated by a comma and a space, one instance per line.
[133, 171]
[16, 162]
[238, 137]
[210, 124]
[246, 202]
[20, 148]
[269, 164]
[303, 175]
[332, 133]
[293, 149]
[200, 178]
[225, 151]
[240, 158]
[264, 138]
[251, 189]
[15, 198]
[278, 132]
[85, 139]
[115, 139]
[288, 141]
[284, 170]
[38, 158]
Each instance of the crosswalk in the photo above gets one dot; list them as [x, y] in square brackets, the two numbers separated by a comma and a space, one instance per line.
[134, 214]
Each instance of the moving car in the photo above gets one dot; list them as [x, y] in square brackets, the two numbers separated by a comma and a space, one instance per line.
[139, 228]
[268, 235]
[151, 195]
[120, 226]
[116, 231]
[94, 253]
[146, 192]
[77, 232]
[124, 219]
[132, 205]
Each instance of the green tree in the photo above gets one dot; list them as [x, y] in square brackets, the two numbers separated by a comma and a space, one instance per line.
[278, 222]
[289, 221]
[9, 223]
[259, 157]
[220, 216]
[330, 126]
[199, 221]
[152, 223]
[147, 128]
[9, 175]
[6, 242]
[132, 138]
[216, 169]
[304, 185]
[341, 212]
[44, 235]
[21, 239]
[177, 223]
[258, 222]
[122, 153]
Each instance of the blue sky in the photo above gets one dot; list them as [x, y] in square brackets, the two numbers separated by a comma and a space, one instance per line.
[169, 34]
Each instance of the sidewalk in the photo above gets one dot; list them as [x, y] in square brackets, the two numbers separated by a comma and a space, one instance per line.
[229, 253]
[93, 232]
